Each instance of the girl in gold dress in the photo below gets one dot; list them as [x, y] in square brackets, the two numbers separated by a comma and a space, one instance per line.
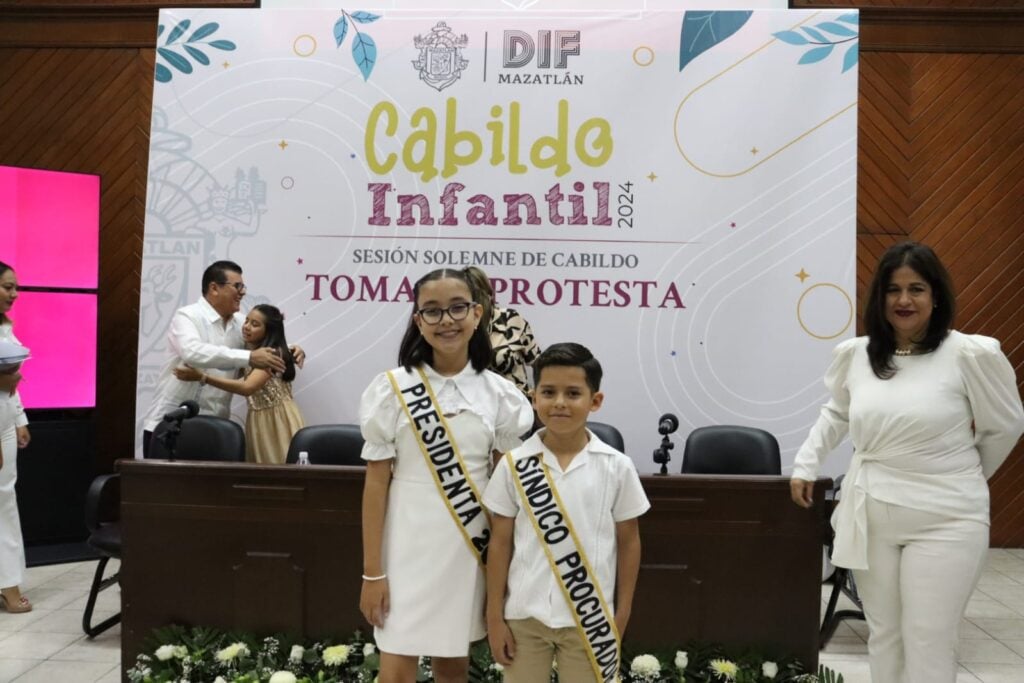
[273, 416]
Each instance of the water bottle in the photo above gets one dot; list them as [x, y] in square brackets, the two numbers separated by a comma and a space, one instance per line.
[303, 457]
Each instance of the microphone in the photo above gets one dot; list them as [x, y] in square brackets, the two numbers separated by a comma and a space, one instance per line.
[186, 410]
[668, 423]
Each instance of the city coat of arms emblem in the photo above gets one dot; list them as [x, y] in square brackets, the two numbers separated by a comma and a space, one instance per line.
[441, 62]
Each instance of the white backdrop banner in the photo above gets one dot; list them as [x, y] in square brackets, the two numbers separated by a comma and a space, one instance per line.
[674, 189]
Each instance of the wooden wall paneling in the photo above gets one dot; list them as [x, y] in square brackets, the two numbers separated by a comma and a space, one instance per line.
[989, 26]
[940, 129]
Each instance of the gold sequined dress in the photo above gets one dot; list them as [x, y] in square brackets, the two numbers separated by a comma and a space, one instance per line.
[273, 419]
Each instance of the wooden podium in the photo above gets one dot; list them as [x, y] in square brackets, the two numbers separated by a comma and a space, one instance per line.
[277, 549]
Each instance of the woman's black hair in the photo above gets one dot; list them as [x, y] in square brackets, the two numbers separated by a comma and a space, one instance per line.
[415, 350]
[273, 323]
[881, 338]
[484, 295]
[3, 269]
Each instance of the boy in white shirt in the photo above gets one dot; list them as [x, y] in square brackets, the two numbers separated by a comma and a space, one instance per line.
[565, 541]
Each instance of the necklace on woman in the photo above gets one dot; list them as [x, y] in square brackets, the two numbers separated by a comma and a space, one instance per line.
[904, 352]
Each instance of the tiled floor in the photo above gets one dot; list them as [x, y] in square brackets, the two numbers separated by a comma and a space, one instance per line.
[47, 645]
[991, 636]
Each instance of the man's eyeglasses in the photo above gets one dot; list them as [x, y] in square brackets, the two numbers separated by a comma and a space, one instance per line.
[433, 316]
[239, 286]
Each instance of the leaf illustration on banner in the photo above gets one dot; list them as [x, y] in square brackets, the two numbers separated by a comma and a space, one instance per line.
[816, 54]
[701, 31]
[364, 48]
[364, 51]
[163, 74]
[821, 45]
[791, 37]
[180, 62]
[175, 60]
[365, 17]
[178, 30]
[198, 55]
[837, 29]
[850, 58]
[203, 31]
[815, 34]
[340, 30]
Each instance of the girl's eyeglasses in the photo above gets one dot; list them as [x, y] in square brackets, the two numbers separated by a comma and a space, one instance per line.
[433, 316]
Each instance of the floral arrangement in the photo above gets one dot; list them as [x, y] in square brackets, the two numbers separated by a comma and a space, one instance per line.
[202, 655]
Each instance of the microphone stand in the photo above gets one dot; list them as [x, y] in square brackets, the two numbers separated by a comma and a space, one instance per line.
[169, 438]
[661, 453]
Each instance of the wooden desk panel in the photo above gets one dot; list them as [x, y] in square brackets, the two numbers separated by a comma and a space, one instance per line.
[277, 549]
[729, 560]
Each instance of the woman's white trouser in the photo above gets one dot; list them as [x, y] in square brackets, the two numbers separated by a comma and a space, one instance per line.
[922, 569]
[12, 549]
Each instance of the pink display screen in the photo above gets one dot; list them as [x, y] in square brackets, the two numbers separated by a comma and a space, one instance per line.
[49, 221]
[60, 331]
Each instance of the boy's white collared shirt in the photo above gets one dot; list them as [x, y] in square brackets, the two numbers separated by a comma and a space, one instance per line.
[600, 488]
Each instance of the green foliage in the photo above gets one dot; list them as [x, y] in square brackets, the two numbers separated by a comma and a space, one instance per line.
[176, 653]
[169, 50]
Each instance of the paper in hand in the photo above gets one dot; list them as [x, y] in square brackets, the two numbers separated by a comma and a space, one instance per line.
[11, 356]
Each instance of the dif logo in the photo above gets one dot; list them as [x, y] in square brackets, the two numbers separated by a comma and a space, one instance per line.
[552, 48]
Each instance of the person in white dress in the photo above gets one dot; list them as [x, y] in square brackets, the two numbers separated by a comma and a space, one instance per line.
[423, 585]
[932, 413]
[14, 434]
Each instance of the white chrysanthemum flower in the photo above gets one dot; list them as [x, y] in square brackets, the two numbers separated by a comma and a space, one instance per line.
[723, 668]
[369, 649]
[769, 669]
[164, 652]
[682, 660]
[336, 655]
[647, 666]
[233, 651]
[283, 677]
[297, 653]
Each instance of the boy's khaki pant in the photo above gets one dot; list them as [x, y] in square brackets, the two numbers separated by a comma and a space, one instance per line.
[538, 645]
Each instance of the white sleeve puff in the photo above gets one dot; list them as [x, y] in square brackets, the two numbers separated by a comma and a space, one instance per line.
[834, 421]
[514, 417]
[378, 419]
[991, 387]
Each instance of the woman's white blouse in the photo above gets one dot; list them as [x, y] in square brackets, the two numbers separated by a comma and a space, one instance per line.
[497, 402]
[927, 438]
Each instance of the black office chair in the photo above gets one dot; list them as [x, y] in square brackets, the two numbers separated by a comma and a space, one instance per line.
[202, 437]
[731, 449]
[842, 584]
[103, 520]
[609, 434]
[334, 444]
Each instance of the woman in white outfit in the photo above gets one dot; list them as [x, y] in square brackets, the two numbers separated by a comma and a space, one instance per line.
[932, 413]
[14, 434]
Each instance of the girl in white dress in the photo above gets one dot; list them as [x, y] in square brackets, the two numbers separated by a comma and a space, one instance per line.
[14, 434]
[932, 414]
[423, 585]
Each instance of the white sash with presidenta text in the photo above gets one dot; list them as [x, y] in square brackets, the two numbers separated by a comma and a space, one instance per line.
[444, 461]
[593, 616]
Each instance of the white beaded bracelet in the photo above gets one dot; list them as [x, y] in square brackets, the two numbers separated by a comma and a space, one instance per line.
[374, 578]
